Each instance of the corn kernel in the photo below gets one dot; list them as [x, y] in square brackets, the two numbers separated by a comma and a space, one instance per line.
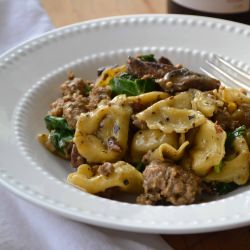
[169, 84]
[231, 107]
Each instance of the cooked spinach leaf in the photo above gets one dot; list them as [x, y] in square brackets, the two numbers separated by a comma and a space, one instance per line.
[224, 188]
[130, 86]
[240, 131]
[148, 58]
[60, 140]
[60, 133]
[56, 123]
[87, 89]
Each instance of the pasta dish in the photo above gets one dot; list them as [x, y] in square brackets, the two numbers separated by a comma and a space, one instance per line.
[153, 129]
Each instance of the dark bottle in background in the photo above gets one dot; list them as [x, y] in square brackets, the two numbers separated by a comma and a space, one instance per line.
[234, 10]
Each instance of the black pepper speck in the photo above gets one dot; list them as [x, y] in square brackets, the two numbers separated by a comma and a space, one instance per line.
[126, 182]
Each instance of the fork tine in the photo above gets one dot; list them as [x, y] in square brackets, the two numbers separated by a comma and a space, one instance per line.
[210, 74]
[232, 79]
[229, 65]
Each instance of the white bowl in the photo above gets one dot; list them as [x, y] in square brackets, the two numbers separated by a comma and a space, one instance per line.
[32, 73]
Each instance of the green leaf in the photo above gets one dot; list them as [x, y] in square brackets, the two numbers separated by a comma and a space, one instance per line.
[130, 86]
[55, 138]
[240, 131]
[127, 76]
[218, 167]
[58, 123]
[60, 140]
[224, 188]
[123, 86]
[61, 135]
[146, 85]
[87, 89]
[148, 58]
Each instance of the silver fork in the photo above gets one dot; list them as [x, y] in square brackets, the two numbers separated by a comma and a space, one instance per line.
[227, 73]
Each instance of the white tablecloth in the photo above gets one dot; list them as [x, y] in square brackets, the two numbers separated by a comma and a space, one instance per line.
[24, 226]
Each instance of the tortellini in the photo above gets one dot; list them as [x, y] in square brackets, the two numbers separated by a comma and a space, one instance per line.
[230, 95]
[124, 176]
[205, 102]
[169, 119]
[181, 100]
[209, 147]
[101, 135]
[141, 101]
[235, 170]
[147, 98]
[166, 151]
[147, 140]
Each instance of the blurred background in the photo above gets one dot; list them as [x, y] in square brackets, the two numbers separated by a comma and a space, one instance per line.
[63, 12]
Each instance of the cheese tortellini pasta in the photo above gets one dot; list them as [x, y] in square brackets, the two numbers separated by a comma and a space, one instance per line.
[237, 169]
[205, 102]
[168, 119]
[102, 135]
[167, 151]
[230, 95]
[209, 147]
[148, 140]
[122, 175]
[141, 101]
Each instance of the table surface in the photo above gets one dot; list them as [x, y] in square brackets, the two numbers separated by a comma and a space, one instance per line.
[64, 12]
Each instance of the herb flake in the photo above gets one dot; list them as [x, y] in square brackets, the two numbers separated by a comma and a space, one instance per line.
[240, 131]
[218, 167]
[147, 58]
[87, 89]
[224, 188]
